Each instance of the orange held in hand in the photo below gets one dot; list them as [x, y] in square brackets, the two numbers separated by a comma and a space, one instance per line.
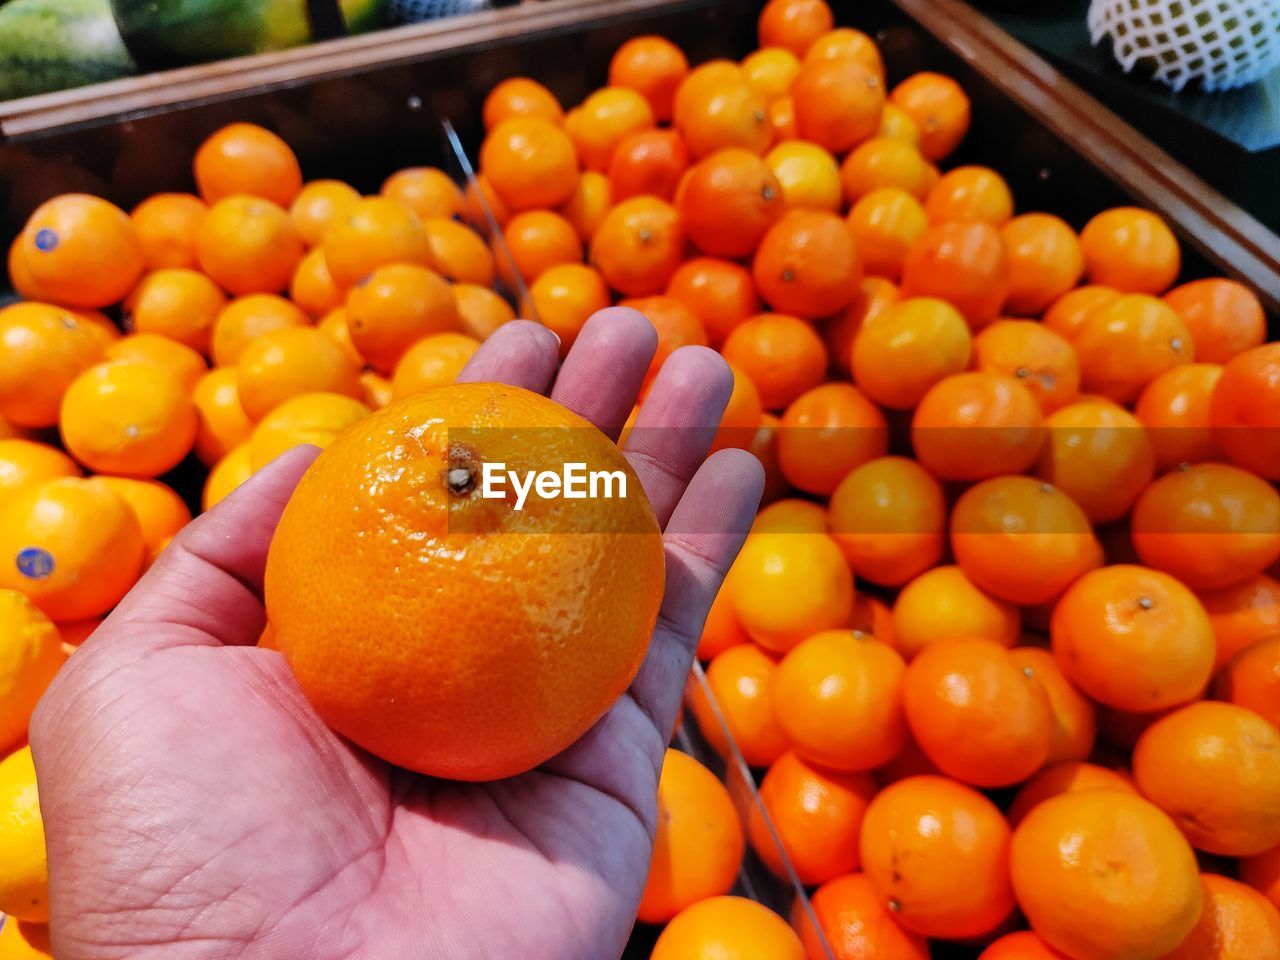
[407, 679]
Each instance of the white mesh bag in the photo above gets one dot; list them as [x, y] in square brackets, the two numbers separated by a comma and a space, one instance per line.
[1224, 43]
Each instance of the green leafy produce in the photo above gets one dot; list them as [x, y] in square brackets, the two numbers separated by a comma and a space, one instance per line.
[54, 44]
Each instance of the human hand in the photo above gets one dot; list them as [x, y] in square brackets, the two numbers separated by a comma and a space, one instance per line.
[196, 807]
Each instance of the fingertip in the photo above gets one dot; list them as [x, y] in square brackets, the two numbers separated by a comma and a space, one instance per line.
[701, 368]
[521, 353]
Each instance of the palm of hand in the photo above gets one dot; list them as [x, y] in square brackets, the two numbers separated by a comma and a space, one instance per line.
[196, 807]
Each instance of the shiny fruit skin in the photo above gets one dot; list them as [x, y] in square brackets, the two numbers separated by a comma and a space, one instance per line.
[727, 928]
[1104, 875]
[24, 883]
[855, 924]
[942, 604]
[1245, 410]
[1237, 923]
[1069, 776]
[740, 679]
[353, 665]
[29, 659]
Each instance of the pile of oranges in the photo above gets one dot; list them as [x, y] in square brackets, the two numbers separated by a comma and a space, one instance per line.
[1004, 645]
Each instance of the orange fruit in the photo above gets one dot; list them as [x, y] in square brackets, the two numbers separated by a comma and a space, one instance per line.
[648, 162]
[314, 418]
[1224, 317]
[493, 731]
[1262, 872]
[1022, 945]
[25, 940]
[249, 245]
[638, 246]
[1067, 314]
[161, 513]
[481, 310]
[434, 361]
[530, 162]
[727, 927]
[1245, 410]
[1133, 638]
[782, 355]
[1215, 769]
[1250, 679]
[225, 476]
[312, 287]
[166, 225]
[855, 924]
[102, 327]
[902, 351]
[25, 462]
[838, 698]
[889, 517]
[288, 362]
[838, 103]
[520, 97]
[712, 73]
[375, 389]
[481, 203]
[1021, 539]
[970, 193]
[794, 25]
[962, 263]
[1131, 250]
[72, 546]
[937, 853]
[586, 209]
[42, 350]
[721, 631]
[975, 425]
[885, 224]
[896, 124]
[1098, 454]
[81, 251]
[1068, 776]
[844, 43]
[536, 240]
[458, 253]
[942, 605]
[1210, 525]
[739, 679]
[319, 204]
[786, 587]
[128, 417]
[1074, 725]
[808, 174]
[604, 121]
[1237, 923]
[827, 432]
[223, 422]
[976, 713]
[676, 324]
[770, 72]
[32, 656]
[782, 119]
[807, 264]
[1103, 874]
[728, 201]
[939, 108]
[720, 293]
[19, 275]
[882, 163]
[791, 516]
[653, 67]
[743, 417]
[699, 844]
[816, 815]
[243, 158]
[179, 359]
[427, 191]
[875, 294]
[177, 303]
[397, 306]
[1044, 261]
[334, 325]
[1126, 343]
[1042, 360]
[245, 319]
[1174, 408]
[1242, 613]
[564, 297]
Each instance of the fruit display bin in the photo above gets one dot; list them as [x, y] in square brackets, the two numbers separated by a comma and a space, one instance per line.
[361, 107]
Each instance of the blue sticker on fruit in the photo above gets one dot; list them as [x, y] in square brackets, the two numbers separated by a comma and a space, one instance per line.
[46, 239]
[34, 563]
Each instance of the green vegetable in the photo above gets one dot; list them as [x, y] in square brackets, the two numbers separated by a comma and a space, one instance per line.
[54, 44]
